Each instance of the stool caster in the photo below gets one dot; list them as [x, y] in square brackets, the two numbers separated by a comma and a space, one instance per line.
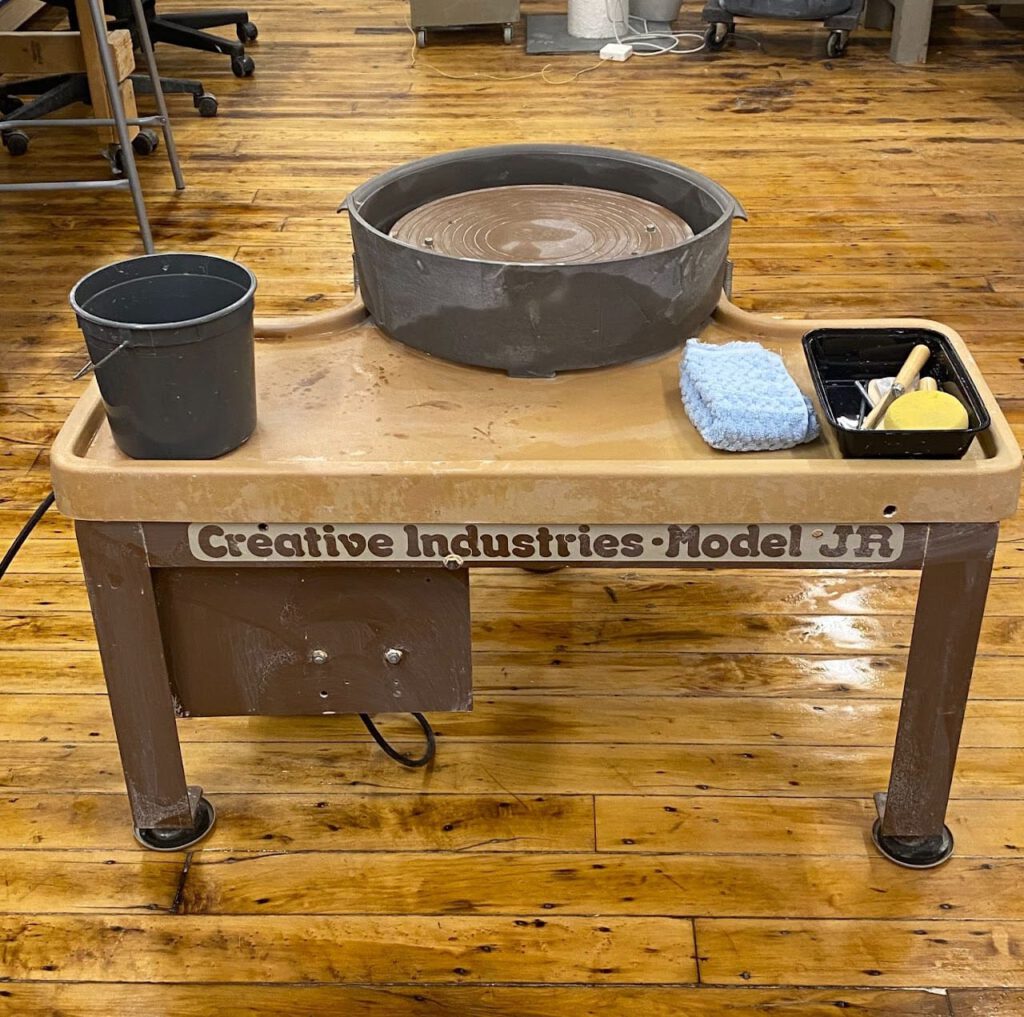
[421, 38]
[247, 32]
[16, 142]
[836, 44]
[178, 840]
[507, 35]
[145, 142]
[716, 35]
[914, 852]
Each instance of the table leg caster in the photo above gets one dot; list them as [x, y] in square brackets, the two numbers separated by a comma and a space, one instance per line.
[178, 839]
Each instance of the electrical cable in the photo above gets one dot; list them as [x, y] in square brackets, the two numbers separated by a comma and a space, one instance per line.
[397, 756]
[657, 43]
[30, 525]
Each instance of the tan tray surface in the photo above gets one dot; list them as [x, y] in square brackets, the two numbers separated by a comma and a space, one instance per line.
[355, 427]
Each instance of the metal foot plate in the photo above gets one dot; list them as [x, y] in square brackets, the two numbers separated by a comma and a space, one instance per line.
[914, 852]
[178, 840]
[910, 852]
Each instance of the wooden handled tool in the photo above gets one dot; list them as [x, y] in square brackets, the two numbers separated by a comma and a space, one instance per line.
[912, 366]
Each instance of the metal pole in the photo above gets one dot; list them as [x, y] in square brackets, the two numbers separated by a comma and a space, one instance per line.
[81, 122]
[68, 185]
[158, 92]
[120, 122]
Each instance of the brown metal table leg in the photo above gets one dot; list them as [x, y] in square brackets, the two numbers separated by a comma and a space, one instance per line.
[168, 814]
[955, 575]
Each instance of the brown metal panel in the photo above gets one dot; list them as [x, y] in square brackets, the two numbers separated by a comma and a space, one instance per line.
[302, 640]
[124, 612]
[950, 607]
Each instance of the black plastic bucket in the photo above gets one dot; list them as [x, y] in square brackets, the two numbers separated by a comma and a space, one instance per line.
[172, 340]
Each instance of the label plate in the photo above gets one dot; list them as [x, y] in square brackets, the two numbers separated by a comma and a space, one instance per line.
[550, 544]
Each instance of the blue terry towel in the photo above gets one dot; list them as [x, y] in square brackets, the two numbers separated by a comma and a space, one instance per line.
[741, 398]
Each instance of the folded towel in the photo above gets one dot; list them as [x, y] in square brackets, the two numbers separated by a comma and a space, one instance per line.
[741, 398]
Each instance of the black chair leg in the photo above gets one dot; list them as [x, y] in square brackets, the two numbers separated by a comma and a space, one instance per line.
[36, 86]
[205, 102]
[162, 29]
[209, 19]
[52, 93]
[186, 29]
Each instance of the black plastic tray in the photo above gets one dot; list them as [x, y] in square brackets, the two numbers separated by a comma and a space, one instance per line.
[839, 357]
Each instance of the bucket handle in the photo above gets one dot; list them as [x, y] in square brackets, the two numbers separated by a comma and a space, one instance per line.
[90, 366]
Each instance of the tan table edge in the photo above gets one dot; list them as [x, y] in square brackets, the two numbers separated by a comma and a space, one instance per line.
[77, 482]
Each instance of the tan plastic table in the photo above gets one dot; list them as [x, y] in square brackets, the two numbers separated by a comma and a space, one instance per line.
[322, 567]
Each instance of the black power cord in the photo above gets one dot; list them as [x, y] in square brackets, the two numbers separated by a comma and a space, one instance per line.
[397, 756]
[20, 539]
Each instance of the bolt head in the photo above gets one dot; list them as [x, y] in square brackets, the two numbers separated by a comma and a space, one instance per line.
[318, 656]
[393, 655]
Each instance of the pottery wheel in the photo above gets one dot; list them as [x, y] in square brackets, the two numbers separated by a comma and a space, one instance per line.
[543, 224]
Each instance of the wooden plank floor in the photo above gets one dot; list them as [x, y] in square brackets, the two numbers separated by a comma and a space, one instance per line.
[661, 804]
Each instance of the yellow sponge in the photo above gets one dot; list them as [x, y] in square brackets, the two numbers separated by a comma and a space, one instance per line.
[926, 411]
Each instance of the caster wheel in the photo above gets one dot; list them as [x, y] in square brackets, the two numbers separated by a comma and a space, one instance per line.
[247, 32]
[506, 35]
[836, 45]
[715, 36]
[115, 157]
[242, 67]
[9, 104]
[421, 38]
[16, 142]
[914, 852]
[178, 840]
[145, 142]
[206, 104]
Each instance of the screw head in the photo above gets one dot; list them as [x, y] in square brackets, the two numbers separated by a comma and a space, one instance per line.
[318, 656]
[393, 655]
[452, 562]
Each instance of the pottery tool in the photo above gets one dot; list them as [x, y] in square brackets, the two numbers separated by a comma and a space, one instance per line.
[904, 377]
[926, 411]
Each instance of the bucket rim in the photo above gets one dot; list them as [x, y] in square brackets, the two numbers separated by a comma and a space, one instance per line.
[96, 319]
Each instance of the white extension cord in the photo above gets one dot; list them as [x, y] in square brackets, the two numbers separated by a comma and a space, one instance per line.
[642, 41]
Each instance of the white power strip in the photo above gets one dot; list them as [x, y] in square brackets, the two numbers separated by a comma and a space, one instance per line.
[618, 51]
